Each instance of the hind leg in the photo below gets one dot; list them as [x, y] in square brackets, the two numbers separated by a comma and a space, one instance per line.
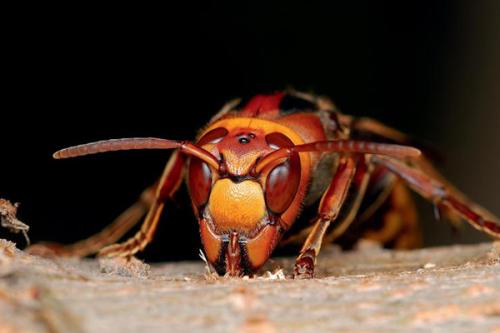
[112, 233]
[443, 195]
[399, 221]
[123, 223]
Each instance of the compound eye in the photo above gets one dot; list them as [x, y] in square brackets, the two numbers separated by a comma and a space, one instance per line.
[200, 175]
[199, 181]
[283, 181]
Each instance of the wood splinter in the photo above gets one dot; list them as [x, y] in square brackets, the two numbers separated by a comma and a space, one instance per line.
[8, 219]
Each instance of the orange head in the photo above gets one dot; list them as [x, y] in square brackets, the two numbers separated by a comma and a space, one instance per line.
[239, 208]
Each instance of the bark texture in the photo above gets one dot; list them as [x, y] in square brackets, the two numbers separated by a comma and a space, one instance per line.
[448, 289]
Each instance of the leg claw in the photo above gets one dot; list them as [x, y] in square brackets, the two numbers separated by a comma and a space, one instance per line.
[304, 266]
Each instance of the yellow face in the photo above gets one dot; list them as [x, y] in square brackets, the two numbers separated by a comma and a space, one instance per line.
[236, 206]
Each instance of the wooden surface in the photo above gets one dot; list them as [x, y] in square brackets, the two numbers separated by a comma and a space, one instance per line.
[449, 289]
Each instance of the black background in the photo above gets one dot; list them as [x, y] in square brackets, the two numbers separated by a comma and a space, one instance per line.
[73, 75]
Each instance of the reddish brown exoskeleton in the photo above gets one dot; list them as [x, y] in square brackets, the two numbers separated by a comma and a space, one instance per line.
[259, 162]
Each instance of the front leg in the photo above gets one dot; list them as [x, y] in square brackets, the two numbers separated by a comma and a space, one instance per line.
[351, 176]
[168, 185]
